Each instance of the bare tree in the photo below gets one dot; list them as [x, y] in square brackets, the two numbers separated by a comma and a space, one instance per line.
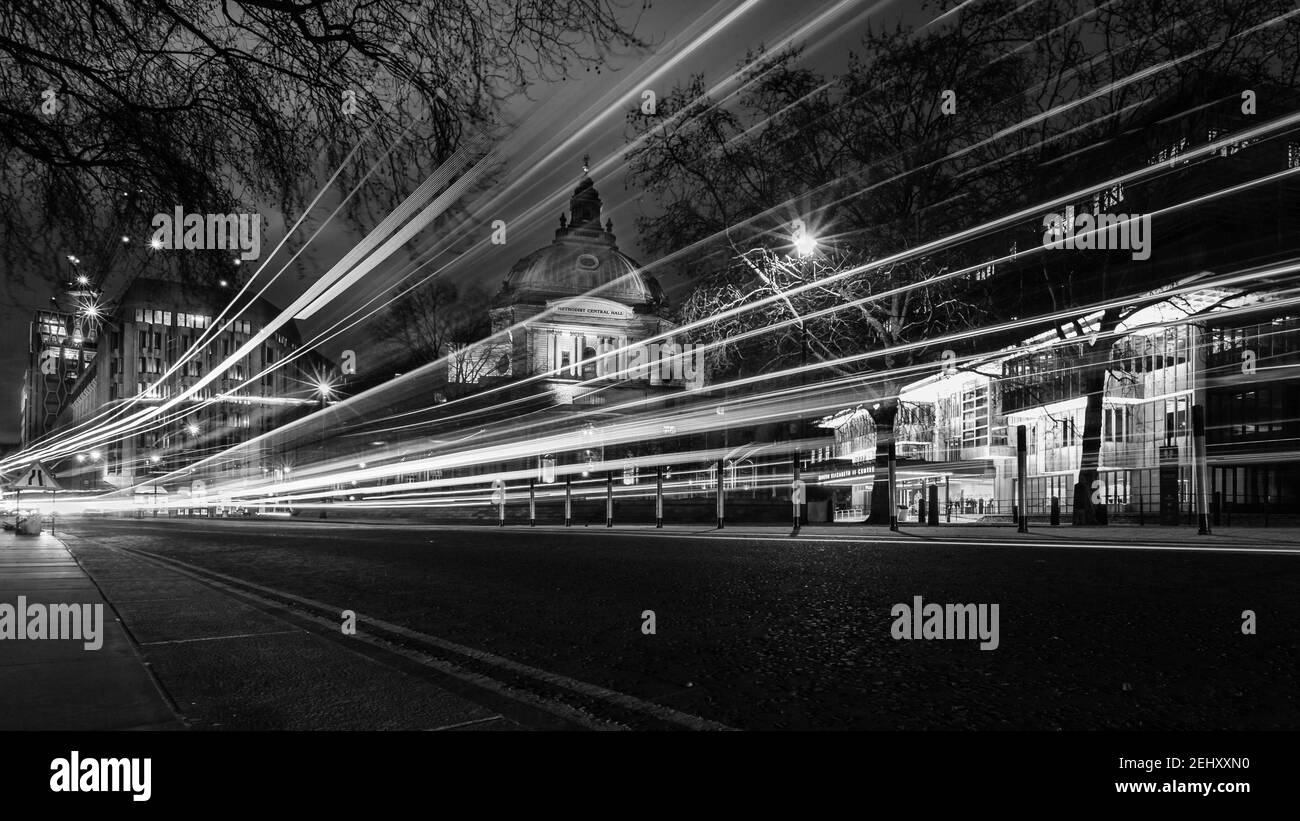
[430, 320]
[111, 111]
[873, 161]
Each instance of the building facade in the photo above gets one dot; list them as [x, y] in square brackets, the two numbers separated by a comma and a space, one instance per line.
[958, 430]
[154, 326]
[61, 347]
[583, 316]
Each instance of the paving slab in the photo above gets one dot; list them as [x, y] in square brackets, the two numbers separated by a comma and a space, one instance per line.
[59, 684]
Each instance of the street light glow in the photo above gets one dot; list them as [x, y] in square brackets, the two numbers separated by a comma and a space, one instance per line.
[805, 244]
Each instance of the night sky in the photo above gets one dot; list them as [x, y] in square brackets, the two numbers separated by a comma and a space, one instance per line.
[558, 113]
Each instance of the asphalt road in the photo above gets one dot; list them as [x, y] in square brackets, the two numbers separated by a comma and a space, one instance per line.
[485, 629]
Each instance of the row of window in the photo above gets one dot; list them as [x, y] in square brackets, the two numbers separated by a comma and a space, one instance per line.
[154, 316]
[1277, 337]
[1248, 414]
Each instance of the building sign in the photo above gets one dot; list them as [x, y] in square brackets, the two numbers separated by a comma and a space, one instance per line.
[590, 309]
[848, 473]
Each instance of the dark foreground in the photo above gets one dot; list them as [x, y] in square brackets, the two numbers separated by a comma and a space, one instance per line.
[502, 629]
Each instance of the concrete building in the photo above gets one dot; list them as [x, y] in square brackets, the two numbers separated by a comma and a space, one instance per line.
[152, 326]
[576, 311]
[61, 347]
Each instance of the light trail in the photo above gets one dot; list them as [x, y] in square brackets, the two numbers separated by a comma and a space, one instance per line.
[822, 282]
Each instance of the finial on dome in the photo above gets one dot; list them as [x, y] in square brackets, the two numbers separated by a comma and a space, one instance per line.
[586, 161]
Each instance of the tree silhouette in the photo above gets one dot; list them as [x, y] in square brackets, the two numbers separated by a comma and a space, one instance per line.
[111, 110]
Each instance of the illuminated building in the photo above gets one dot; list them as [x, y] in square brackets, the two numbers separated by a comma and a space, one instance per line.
[61, 348]
[150, 328]
[578, 310]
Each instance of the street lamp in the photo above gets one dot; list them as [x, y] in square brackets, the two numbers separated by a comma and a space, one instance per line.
[805, 244]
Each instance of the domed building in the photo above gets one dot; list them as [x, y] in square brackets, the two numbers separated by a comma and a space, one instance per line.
[580, 313]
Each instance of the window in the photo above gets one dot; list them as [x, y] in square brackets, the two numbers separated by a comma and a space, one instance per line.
[975, 418]
[1176, 419]
[53, 325]
[1117, 423]
[1068, 436]
[1169, 152]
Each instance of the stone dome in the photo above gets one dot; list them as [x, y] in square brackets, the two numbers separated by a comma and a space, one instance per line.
[583, 260]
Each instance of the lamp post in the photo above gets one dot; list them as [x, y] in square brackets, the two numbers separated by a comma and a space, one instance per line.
[805, 246]
[324, 393]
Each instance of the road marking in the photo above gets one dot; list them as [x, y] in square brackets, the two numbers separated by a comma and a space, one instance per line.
[217, 638]
[623, 700]
[470, 723]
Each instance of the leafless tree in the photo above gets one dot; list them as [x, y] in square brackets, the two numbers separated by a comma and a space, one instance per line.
[112, 110]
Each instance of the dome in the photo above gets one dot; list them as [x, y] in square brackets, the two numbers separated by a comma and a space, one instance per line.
[583, 260]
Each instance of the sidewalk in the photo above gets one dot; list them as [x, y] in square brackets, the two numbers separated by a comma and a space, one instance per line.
[1279, 535]
[48, 684]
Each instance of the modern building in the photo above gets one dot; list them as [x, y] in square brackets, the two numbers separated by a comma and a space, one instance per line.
[153, 326]
[958, 430]
[61, 347]
[1217, 214]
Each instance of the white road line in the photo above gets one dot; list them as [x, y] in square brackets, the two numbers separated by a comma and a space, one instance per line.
[460, 724]
[217, 638]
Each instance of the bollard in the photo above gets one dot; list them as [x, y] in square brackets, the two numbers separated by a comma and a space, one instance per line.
[721, 467]
[659, 496]
[893, 486]
[568, 500]
[934, 505]
[532, 502]
[609, 498]
[1022, 473]
[1202, 472]
[1056, 511]
[797, 492]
